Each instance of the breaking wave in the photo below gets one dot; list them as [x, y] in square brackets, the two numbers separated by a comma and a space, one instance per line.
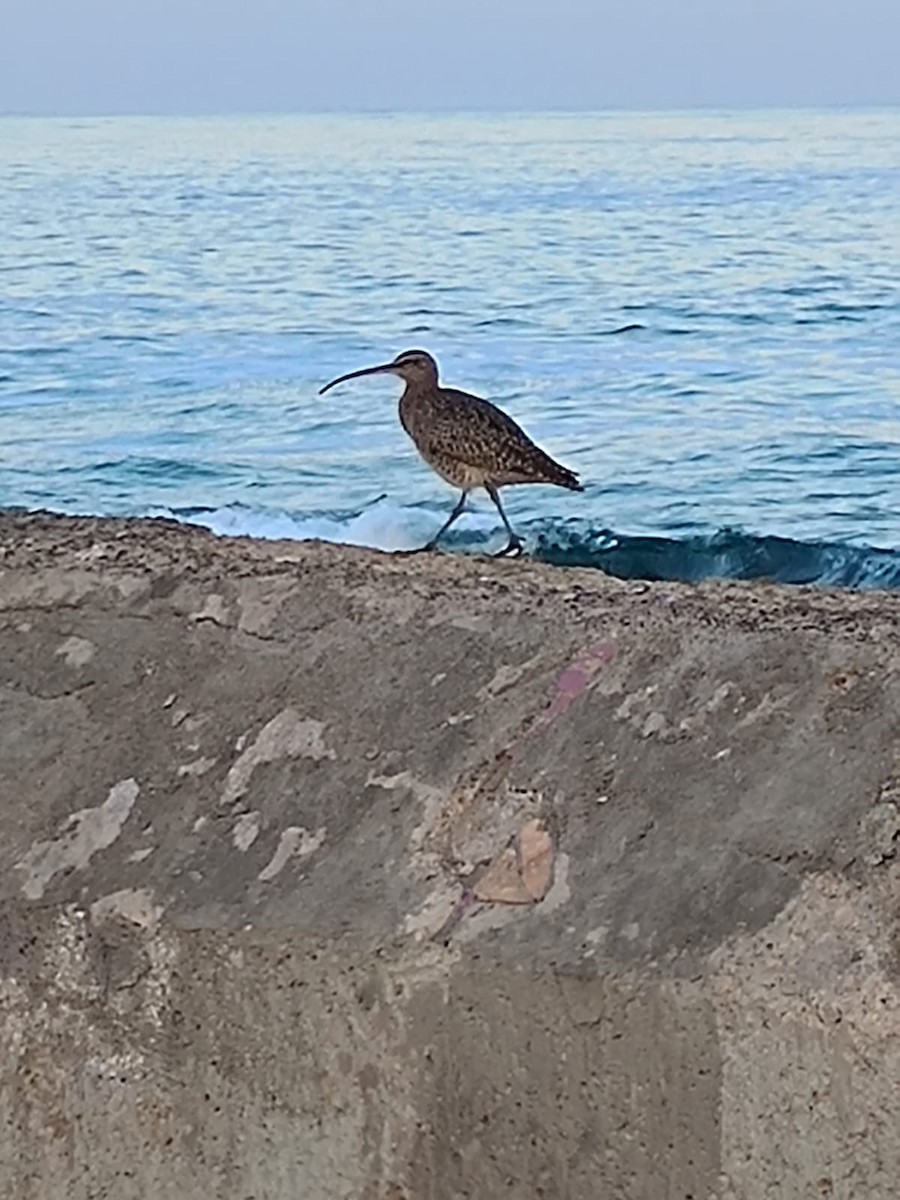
[725, 554]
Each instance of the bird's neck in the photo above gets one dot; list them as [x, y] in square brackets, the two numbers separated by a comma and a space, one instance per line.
[411, 406]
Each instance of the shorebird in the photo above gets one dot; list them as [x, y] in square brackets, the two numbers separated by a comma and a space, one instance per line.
[468, 441]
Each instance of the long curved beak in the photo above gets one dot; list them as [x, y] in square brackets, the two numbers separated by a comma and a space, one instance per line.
[380, 370]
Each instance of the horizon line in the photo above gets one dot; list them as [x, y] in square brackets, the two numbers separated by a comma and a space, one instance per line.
[556, 110]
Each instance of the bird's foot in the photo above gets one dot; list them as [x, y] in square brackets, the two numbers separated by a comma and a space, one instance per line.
[512, 549]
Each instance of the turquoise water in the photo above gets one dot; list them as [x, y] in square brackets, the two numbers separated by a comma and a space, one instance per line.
[700, 313]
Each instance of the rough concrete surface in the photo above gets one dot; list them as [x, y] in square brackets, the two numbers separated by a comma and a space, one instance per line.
[334, 874]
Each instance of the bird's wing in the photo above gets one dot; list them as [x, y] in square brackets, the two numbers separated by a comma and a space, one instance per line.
[462, 424]
[471, 431]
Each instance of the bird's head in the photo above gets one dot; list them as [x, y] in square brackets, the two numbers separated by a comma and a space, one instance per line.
[415, 367]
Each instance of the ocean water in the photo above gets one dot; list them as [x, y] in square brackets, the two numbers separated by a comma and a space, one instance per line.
[698, 312]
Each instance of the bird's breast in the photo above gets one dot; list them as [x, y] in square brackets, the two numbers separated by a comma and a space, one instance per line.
[411, 416]
[420, 418]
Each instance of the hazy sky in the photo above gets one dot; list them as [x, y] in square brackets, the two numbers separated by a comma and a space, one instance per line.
[209, 56]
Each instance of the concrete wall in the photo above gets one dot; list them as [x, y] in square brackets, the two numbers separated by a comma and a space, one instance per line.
[330, 874]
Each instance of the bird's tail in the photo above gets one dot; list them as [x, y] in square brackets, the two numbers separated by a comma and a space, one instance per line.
[562, 476]
[570, 481]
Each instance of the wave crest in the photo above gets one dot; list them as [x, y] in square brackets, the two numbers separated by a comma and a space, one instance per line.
[725, 554]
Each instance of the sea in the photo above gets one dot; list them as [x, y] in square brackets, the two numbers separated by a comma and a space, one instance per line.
[699, 312]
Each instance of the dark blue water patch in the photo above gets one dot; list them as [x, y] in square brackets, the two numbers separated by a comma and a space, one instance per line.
[53, 390]
[726, 554]
[829, 321]
[505, 322]
[138, 467]
[127, 338]
[37, 351]
[833, 307]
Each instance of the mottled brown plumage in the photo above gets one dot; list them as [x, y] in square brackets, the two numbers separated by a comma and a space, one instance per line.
[468, 441]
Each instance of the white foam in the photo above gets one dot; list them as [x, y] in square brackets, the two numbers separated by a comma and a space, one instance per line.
[383, 526]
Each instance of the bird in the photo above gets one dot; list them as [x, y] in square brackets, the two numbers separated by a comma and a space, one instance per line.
[468, 441]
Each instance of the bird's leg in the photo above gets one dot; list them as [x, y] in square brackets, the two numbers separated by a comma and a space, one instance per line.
[460, 505]
[514, 545]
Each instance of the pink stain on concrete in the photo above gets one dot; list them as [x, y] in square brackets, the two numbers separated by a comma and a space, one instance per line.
[575, 680]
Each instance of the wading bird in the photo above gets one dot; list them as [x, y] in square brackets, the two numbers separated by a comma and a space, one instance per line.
[468, 441]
